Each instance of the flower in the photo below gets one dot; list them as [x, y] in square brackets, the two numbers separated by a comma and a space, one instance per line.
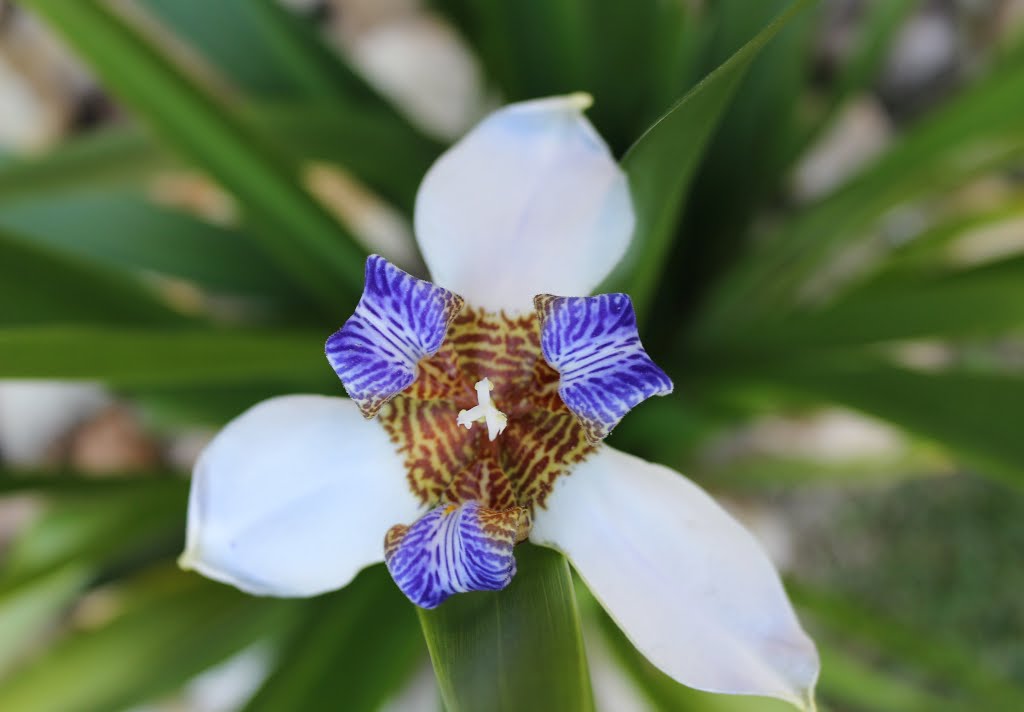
[477, 410]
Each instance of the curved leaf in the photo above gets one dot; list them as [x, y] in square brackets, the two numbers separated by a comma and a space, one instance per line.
[290, 224]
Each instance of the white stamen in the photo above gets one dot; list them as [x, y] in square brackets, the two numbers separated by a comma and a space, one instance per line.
[484, 412]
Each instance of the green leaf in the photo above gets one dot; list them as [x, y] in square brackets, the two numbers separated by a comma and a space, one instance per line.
[375, 149]
[148, 357]
[92, 528]
[973, 414]
[639, 58]
[316, 101]
[634, 58]
[516, 649]
[120, 155]
[854, 683]
[871, 46]
[975, 133]
[292, 227]
[745, 158]
[214, 404]
[662, 162]
[61, 482]
[530, 48]
[265, 49]
[984, 301]
[948, 663]
[122, 229]
[170, 627]
[26, 610]
[39, 284]
[356, 647]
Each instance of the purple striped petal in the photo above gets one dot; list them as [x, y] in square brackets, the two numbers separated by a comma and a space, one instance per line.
[398, 321]
[453, 549]
[593, 344]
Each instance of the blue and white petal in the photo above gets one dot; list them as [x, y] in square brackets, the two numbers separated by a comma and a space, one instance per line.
[453, 549]
[294, 496]
[593, 344]
[530, 201]
[399, 321]
[688, 585]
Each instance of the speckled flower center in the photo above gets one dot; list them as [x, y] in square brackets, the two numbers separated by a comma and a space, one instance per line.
[448, 464]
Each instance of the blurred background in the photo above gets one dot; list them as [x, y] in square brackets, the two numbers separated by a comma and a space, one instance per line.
[832, 272]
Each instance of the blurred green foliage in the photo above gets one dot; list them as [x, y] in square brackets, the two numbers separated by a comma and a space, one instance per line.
[711, 105]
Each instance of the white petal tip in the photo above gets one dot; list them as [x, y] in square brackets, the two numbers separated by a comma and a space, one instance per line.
[808, 703]
[186, 562]
[580, 100]
[703, 603]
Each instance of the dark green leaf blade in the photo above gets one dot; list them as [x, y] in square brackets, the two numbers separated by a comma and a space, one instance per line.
[517, 649]
[981, 302]
[41, 285]
[124, 230]
[974, 133]
[662, 161]
[356, 646]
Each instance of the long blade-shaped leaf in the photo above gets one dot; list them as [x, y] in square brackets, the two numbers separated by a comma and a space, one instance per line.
[530, 47]
[26, 610]
[979, 131]
[662, 162]
[946, 660]
[172, 627]
[39, 284]
[89, 527]
[985, 301]
[517, 649]
[112, 156]
[374, 149]
[147, 357]
[292, 226]
[356, 647]
[976, 415]
[123, 230]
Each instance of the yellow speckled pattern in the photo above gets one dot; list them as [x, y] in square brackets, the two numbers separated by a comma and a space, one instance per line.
[448, 464]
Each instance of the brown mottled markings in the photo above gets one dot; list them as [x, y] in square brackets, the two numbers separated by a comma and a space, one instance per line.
[449, 464]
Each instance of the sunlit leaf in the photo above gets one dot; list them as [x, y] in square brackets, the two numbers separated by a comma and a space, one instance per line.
[290, 224]
[152, 356]
[26, 610]
[170, 627]
[92, 528]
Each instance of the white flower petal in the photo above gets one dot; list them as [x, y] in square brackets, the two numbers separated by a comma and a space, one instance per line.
[294, 497]
[686, 583]
[529, 202]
